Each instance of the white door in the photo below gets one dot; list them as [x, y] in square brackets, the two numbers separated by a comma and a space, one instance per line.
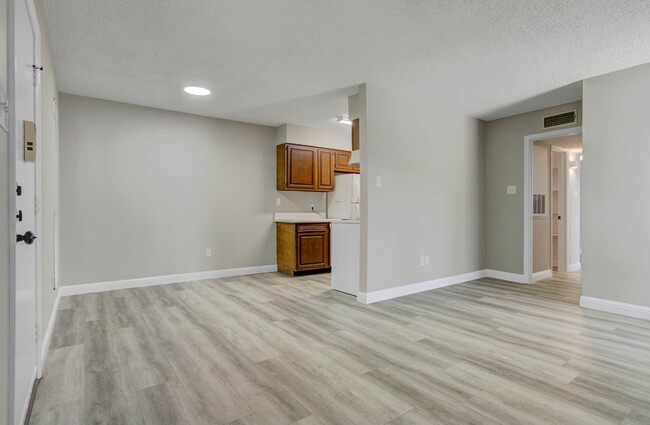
[25, 296]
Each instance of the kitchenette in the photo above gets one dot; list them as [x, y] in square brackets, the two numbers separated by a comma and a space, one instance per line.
[320, 241]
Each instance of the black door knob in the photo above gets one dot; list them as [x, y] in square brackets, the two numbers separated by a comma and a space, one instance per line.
[28, 238]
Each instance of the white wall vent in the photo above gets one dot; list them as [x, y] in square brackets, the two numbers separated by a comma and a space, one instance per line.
[563, 118]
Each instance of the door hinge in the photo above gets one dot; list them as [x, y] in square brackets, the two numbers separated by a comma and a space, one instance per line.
[36, 332]
[37, 75]
[37, 205]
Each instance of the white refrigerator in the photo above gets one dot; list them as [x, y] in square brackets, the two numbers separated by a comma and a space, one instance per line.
[344, 201]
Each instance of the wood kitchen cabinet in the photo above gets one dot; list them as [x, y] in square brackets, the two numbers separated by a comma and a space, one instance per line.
[325, 170]
[303, 247]
[342, 162]
[297, 167]
[310, 168]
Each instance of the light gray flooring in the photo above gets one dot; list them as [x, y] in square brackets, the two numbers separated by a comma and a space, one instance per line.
[269, 349]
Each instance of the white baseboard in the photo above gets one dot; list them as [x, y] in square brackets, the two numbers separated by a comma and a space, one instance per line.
[574, 267]
[47, 336]
[23, 415]
[89, 288]
[414, 288]
[544, 274]
[510, 277]
[631, 310]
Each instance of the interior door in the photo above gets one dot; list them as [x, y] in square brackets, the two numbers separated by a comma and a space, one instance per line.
[25, 358]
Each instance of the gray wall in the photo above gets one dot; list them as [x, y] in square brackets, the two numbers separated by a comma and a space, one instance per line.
[144, 192]
[542, 224]
[4, 231]
[615, 187]
[504, 162]
[4, 277]
[292, 133]
[49, 171]
[431, 202]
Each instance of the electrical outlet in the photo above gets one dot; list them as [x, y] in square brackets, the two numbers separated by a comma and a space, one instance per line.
[511, 190]
[426, 260]
[208, 253]
[378, 181]
[422, 260]
[278, 201]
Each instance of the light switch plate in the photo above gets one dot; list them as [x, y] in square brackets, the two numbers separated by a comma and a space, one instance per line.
[208, 253]
[278, 201]
[378, 181]
[511, 190]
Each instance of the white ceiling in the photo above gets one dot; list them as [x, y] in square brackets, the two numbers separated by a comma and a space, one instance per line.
[277, 61]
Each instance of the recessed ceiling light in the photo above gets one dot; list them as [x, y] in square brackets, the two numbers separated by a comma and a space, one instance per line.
[197, 91]
[342, 119]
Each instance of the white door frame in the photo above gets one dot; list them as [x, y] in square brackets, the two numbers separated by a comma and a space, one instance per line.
[528, 192]
[562, 251]
[18, 417]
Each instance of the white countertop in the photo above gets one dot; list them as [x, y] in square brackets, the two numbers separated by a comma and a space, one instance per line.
[310, 217]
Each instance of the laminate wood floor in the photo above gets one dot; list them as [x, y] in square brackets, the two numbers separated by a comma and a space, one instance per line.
[270, 349]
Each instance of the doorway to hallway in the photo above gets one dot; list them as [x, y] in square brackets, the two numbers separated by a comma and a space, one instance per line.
[555, 219]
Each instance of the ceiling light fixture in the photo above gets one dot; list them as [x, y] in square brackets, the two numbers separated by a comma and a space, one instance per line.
[196, 91]
[342, 119]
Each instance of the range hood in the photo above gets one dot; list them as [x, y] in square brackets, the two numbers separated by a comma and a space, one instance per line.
[355, 157]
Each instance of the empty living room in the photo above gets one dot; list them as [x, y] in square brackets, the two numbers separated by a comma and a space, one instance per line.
[283, 212]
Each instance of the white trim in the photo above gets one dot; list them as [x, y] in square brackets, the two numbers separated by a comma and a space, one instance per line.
[414, 288]
[47, 336]
[574, 267]
[89, 288]
[631, 310]
[510, 277]
[528, 192]
[544, 274]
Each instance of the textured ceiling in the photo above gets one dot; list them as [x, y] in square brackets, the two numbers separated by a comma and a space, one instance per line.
[277, 61]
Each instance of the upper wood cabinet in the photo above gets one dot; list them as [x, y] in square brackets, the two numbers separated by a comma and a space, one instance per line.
[325, 170]
[341, 162]
[297, 167]
[310, 168]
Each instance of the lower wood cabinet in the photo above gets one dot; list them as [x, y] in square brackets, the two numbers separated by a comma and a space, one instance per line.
[303, 247]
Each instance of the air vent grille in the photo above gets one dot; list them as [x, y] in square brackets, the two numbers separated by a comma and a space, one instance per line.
[563, 118]
[539, 204]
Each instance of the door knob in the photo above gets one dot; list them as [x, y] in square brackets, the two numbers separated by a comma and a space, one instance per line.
[28, 238]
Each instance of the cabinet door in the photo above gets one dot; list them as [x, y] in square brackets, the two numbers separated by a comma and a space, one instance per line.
[325, 169]
[313, 251]
[301, 167]
[341, 161]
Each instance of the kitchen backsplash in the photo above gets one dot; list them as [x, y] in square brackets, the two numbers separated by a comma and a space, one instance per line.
[300, 201]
